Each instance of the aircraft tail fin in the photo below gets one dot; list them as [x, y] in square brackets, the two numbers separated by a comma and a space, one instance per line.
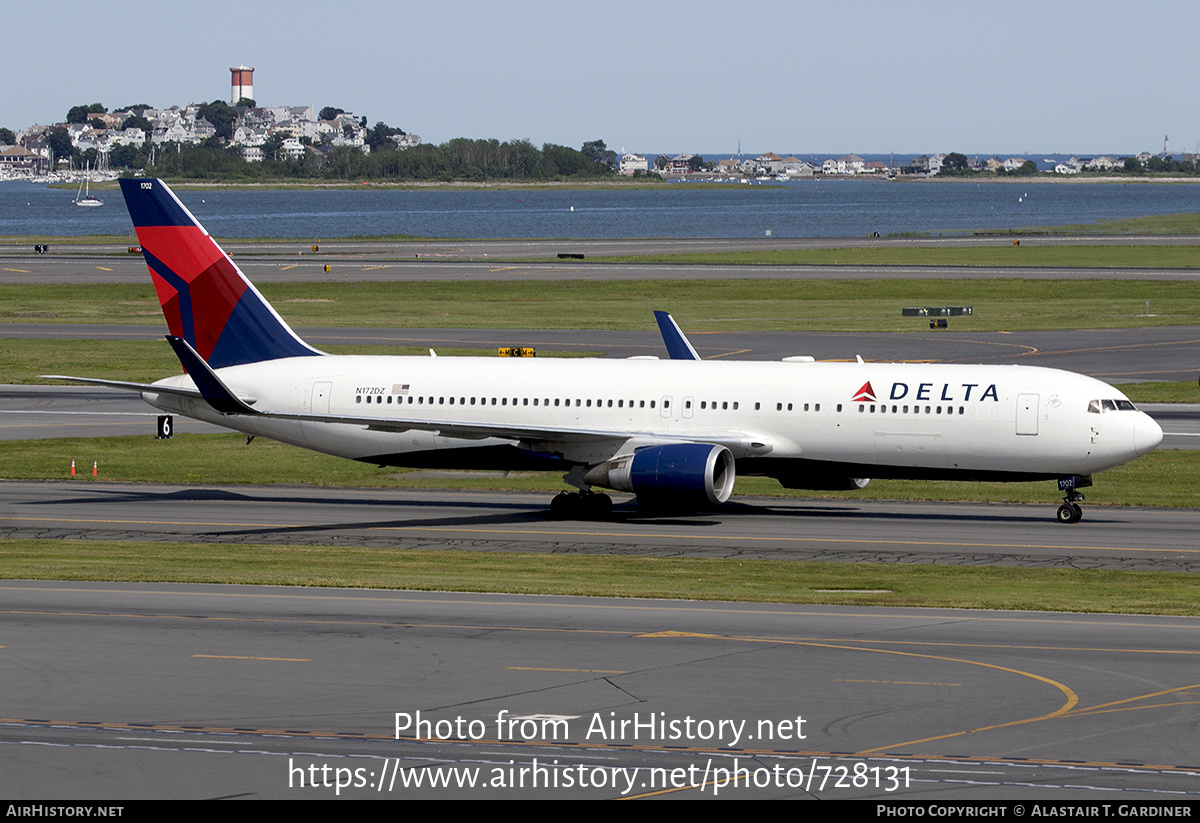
[678, 346]
[205, 298]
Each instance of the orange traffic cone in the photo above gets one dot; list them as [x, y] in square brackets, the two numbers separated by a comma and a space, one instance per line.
[72, 468]
[94, 468]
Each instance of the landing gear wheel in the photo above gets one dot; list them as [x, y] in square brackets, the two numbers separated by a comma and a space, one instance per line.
[1070, 511]
[564, 506]
[581, 506]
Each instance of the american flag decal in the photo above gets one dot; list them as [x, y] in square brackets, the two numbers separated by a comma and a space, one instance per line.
[400, 388]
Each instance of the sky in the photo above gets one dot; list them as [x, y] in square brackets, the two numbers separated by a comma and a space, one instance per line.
[658, 76]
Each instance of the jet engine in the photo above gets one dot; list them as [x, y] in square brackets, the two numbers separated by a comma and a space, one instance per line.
[691, 474]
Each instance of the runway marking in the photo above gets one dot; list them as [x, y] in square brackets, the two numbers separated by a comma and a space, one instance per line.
[895, 682]
[247, 657]
[679, 634]
[103, 268]
[538, 669]
[373, 268]
[1104, 708]
[22, 271]
[643, 636]
[779, 609]
[286, 268]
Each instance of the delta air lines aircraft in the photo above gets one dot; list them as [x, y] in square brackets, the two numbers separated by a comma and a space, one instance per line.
[674, 432]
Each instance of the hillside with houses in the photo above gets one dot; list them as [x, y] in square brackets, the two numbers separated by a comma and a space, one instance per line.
[242, 140]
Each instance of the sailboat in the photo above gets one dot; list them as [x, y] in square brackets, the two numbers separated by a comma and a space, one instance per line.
[84, 196]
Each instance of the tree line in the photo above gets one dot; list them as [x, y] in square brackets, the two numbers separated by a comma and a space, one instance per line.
[460, 159]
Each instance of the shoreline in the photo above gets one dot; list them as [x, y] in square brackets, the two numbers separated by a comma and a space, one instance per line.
[664, 184]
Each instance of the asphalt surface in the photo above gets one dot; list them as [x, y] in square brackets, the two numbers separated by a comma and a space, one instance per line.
[122, 690]
[1112, 355]
[381, 261]
[749, 528]
[116, 691]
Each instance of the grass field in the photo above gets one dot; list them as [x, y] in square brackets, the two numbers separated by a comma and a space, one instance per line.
[760, 581]
[141, 361]
[1000, 304]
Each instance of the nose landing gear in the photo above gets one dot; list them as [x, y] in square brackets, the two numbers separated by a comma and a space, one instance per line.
[1070, 511]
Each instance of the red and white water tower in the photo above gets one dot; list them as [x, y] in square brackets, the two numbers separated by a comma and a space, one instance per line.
[241, 84]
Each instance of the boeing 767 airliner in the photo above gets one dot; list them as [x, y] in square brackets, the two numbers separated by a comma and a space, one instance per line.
[673, 432]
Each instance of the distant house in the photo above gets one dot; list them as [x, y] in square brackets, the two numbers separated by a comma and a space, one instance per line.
[17, 160]
[851, 164]
[292, 147]
[795, 167]
[728, 167]
[770, 162]
[680, 164]
[633, 162]
[202, 129]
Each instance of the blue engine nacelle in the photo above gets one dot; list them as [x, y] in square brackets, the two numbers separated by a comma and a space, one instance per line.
[698, 474]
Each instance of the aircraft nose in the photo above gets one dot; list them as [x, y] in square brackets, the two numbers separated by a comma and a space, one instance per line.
[1147, 434]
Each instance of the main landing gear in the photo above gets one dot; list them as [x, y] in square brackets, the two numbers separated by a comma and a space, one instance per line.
[1070, 511]
[581, 505]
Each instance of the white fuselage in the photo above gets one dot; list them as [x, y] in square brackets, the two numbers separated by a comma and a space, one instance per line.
[882, 420]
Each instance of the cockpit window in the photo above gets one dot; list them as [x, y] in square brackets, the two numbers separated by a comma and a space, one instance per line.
[1096, 406]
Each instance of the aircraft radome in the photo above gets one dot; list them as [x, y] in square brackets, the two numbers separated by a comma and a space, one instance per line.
[674, 432]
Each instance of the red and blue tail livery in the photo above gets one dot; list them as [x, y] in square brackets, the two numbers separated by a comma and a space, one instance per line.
[206, 299]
